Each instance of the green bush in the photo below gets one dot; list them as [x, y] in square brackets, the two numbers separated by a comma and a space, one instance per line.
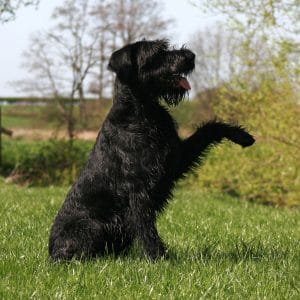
[43, 163]
[269, 171]
[260, 174]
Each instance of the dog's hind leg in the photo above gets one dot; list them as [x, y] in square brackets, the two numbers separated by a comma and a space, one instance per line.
[80, 239]
[88, 238]
[193, 148]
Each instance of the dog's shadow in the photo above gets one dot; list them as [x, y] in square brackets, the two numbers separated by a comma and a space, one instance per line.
[236, 252]
[239, 252]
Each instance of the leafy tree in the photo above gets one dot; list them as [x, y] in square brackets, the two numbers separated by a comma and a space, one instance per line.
[262, 94]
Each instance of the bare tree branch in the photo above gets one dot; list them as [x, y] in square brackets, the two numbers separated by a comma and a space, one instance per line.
[61, 59]
[8, 8]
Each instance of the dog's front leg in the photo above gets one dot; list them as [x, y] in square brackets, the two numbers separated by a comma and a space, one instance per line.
[211, 133]
[143, 218]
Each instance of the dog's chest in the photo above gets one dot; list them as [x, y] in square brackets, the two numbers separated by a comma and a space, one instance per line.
[142, 146]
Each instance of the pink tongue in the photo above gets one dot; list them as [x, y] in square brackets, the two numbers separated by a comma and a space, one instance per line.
[184, 83]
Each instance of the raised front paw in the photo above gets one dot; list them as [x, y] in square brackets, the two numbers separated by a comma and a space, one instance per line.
[246, 140]
[242, 137]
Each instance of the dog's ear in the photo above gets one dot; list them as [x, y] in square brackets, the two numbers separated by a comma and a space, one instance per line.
[120, 62]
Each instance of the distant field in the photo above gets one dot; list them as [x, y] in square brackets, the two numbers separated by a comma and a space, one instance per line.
[220, 248]
[46, 116]
[26, 117]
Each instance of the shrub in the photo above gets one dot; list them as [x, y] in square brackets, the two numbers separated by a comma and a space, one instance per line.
[44, 163]
[267, 172]
[260, 174]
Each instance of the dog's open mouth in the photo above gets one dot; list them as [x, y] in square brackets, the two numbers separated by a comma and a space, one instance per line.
[182, 82]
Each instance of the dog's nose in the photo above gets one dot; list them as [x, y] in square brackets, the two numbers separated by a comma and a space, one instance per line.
[189, 55]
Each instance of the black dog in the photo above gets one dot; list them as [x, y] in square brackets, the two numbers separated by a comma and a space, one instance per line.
[137, 157]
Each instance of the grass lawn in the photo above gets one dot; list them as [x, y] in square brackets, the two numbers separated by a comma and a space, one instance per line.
[220, 248]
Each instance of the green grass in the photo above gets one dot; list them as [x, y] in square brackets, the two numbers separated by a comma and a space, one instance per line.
[220, 248]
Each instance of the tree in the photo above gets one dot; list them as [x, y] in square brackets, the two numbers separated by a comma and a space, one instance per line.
[269, 47]
[264, 95]
[136, 19]
[257, 14]
[48, 80]
[216, 58]
[61, 59]
[275, 23]
[8, 8]
[74, 35]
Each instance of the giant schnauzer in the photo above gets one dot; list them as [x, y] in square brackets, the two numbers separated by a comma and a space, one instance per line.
[137, 158]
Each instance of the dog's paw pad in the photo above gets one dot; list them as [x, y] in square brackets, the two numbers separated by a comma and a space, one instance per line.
[246, 140]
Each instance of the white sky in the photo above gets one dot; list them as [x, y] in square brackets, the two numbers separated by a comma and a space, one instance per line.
[14, 35]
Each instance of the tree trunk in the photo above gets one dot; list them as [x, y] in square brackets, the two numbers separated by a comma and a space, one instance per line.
[82, 108]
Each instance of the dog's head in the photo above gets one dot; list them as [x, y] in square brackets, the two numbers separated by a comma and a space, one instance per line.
[154, 69]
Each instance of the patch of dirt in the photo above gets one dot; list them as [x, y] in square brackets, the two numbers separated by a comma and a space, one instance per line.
[37, 134]
[45, 134]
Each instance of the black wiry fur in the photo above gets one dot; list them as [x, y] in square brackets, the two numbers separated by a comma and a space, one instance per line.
[137, 158]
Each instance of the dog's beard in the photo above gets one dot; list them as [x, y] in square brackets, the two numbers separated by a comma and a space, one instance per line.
[177, 90]
[173, 98]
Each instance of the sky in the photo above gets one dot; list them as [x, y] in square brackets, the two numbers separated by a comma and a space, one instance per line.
[15, 35]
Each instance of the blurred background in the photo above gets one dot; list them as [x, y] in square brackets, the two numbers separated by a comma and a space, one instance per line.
[55, 90]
